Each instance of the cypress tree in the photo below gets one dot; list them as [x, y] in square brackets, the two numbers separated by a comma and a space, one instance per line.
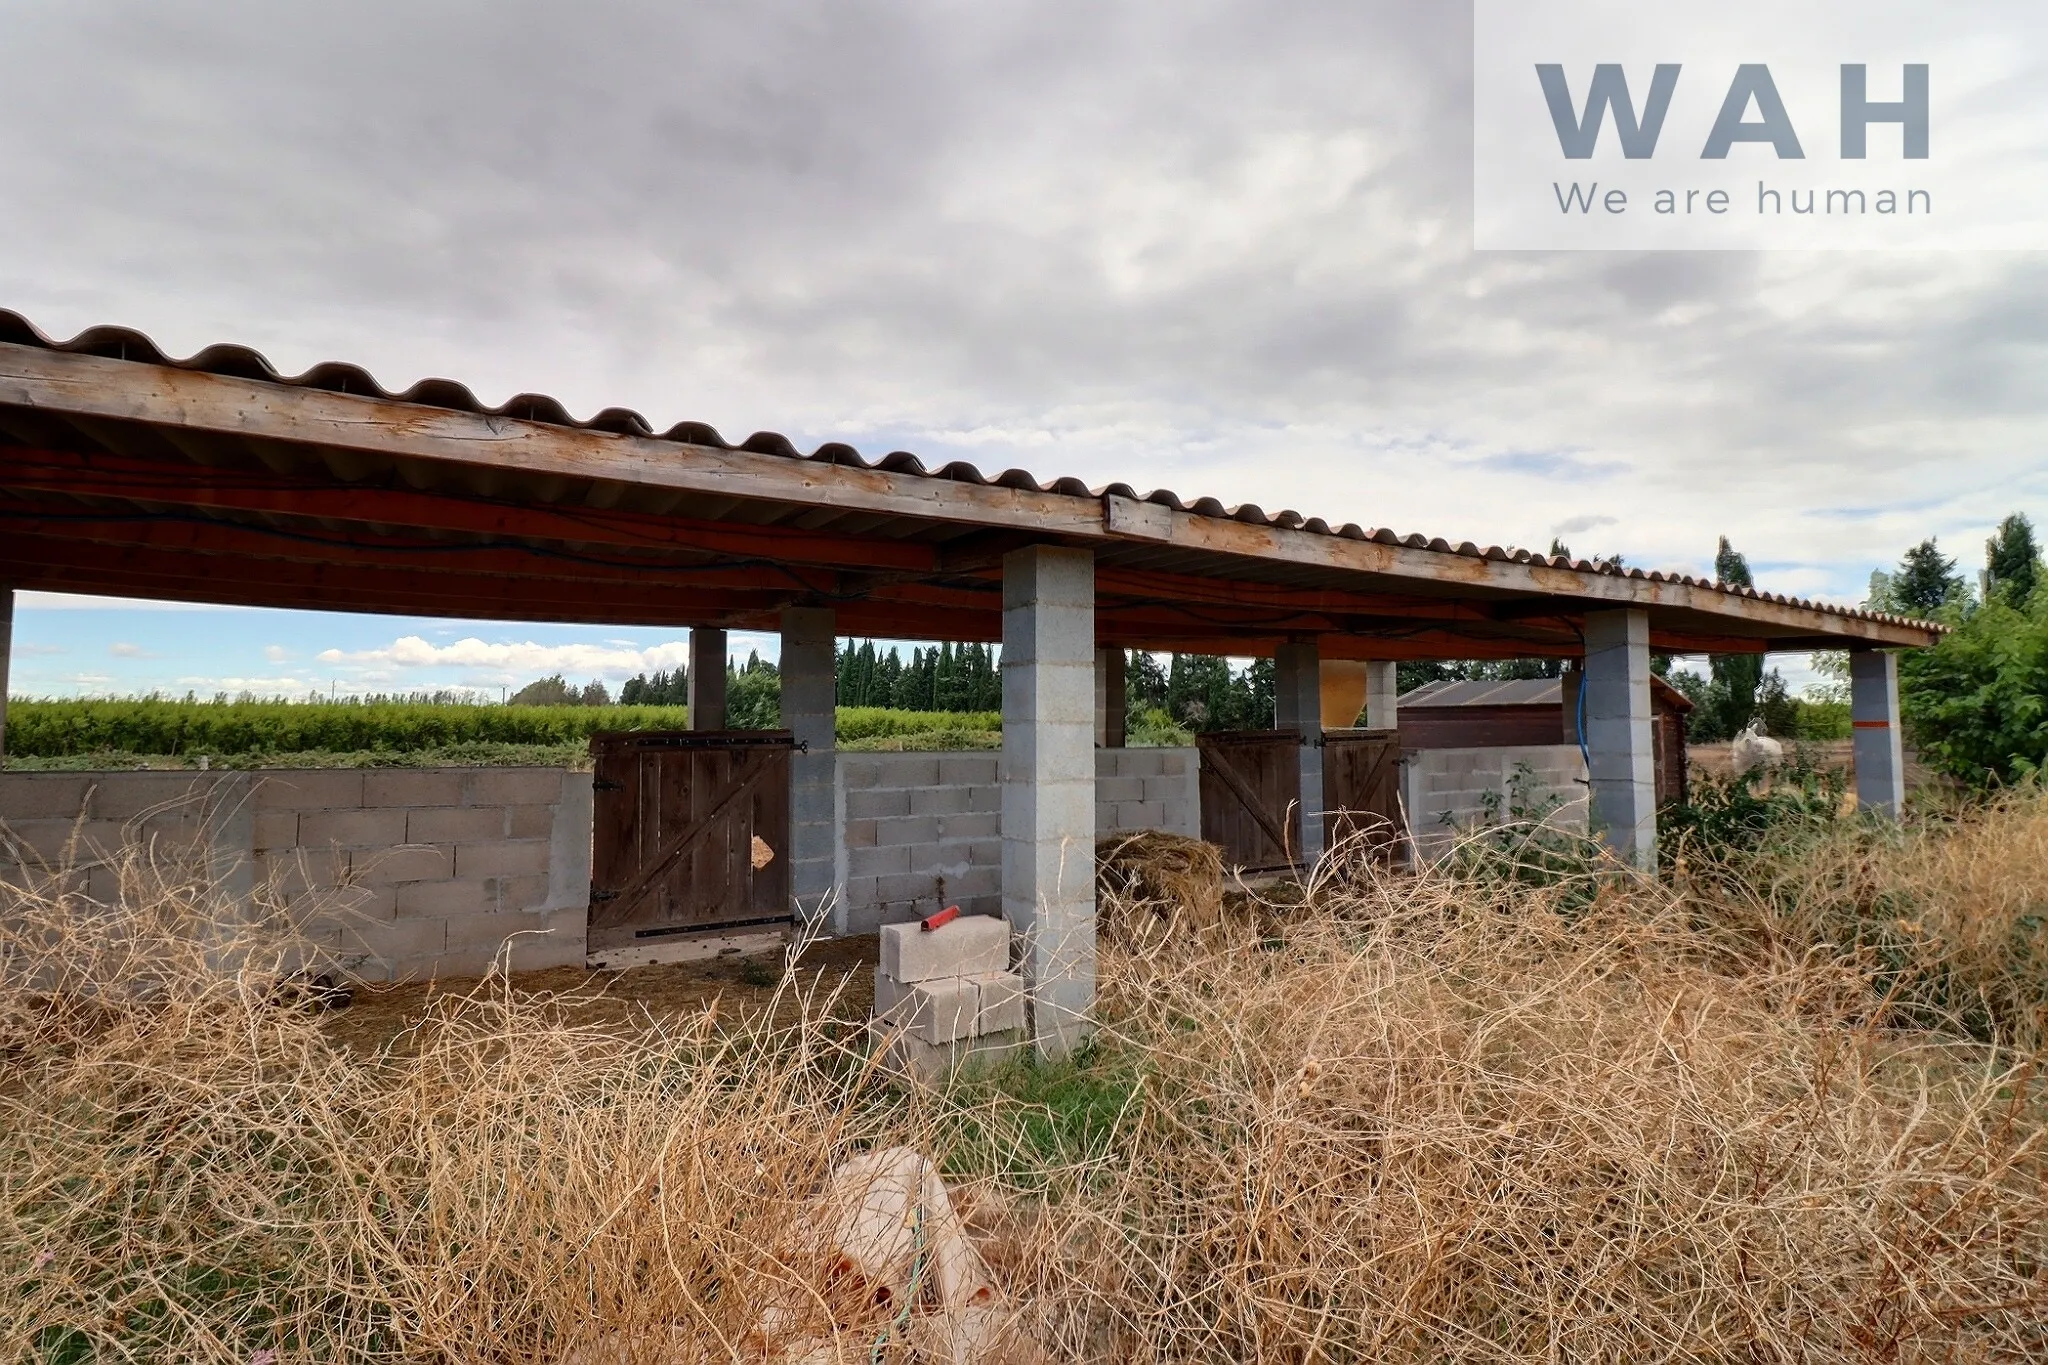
[2012, 561]
[1927, 580]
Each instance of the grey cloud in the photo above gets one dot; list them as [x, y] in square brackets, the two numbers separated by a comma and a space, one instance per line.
[1223, 247]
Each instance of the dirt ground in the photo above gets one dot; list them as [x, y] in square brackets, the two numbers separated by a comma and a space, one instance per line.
[380, 1015]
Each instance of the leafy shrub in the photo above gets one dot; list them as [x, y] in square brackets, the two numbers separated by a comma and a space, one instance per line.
[1976, 704]
[225, 729]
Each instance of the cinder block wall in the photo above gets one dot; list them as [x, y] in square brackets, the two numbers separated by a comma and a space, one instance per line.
[401, 873]
[1445, 790]
[407, 873]
[924, 831]
[439, 866]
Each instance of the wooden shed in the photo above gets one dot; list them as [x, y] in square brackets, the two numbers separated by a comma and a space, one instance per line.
[1504, 713]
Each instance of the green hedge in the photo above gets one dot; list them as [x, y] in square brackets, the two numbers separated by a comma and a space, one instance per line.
[56, 729]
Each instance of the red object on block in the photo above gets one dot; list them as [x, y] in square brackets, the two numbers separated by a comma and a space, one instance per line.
[940, 920]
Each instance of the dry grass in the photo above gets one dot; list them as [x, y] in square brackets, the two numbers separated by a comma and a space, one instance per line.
[1426, 1120]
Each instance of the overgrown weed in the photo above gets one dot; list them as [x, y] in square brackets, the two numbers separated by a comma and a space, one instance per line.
[1433, 1118]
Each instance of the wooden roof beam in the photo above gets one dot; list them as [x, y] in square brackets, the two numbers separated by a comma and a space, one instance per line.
[95, 386]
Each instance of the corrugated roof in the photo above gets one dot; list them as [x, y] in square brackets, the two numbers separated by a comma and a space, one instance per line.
[1487, 692]
[1514, 692]
[336, 377]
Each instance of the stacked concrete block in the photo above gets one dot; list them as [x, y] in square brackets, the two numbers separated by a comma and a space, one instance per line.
[1622, 761]
[424, 872]
[1449, 792]
[923, 831]
[816, 802]
[399, 873]
[1148, 789]
[1298, 706]
[947, 996]
[74, 830]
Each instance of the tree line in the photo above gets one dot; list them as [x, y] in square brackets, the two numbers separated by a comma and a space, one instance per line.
[1976, 704]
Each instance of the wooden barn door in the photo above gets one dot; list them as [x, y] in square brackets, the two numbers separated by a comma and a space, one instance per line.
[1362, 790]
[690, 834]
[1251, 796]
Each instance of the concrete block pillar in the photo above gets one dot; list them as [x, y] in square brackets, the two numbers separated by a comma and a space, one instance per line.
[707, 679]
[1112, 719]
[1874, 718]
[1048, 782]
[6, 658]
[1383, 694]
[1619, 746]
[1298, 704]
[810, 686]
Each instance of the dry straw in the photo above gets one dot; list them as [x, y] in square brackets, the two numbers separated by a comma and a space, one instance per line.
[1424, 1118]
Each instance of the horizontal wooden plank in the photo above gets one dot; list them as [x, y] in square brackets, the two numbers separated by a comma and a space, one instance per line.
[123, 390]
[162, 483]
[99, 387]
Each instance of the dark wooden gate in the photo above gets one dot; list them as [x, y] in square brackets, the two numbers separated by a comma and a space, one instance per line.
[690, 834]
[1362, 789]
[1251, 796]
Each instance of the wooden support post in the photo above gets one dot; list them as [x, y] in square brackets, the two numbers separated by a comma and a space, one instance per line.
[707, 679]
[1112, 719]
[6, 659]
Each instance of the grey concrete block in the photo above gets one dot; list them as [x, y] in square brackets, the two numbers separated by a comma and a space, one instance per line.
[974, 825]
[968, 770]
[979, 880]
[335, 789]
[911, 770]
[352, 828]
[530, 822]
[1046, 752]
[124, 796]
[512, 786]
[912, 1056]
[52, 841]
[478, 937]
[938, 1011]
[406, 863]
[454, 824]
[413, 787]
[968, 946]
[861, 834]
[569, 847]
[878, 861]
[433, 900]
[501, 858]
[357, 902]
[877, 803]
[908, 829]
[999, 1002]
[942, 800]
[276, 829]
[402, 941]
[1140, 814]
[43, 796]
[859, 771]
[1120, 789]
[511, 895]
[912, 886]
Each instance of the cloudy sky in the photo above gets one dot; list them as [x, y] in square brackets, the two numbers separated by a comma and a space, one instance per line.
[1218, 247]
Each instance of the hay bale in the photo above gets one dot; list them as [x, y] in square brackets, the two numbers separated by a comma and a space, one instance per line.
[1151, 883]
